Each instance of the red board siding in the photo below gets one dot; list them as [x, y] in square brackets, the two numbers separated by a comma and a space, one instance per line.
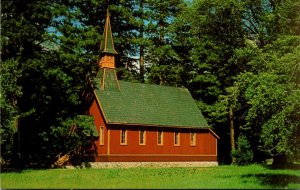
[205, 142]
[99, 121]
[112, 151]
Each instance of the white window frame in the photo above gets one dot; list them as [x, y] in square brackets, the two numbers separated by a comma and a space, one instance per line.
[101, 135]
[178, 138]
[193, 137]
[144, 137]
[125, 137]
[161, 137]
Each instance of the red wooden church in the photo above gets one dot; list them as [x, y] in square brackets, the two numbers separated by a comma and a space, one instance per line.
[140, 122]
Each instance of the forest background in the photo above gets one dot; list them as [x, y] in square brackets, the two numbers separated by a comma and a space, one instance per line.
[239, 59]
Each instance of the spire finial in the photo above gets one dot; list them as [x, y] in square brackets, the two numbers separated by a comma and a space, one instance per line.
[107, 12]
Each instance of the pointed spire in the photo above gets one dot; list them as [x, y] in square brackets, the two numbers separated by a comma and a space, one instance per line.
[107, 42]
[107, 72]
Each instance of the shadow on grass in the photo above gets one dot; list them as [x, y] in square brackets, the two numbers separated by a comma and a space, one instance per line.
[285, 167]
[275, 180]
[10, 169]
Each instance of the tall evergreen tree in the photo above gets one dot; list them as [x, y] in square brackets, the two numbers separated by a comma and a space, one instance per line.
[21, 38]
[164, 67]
[48, 82]
[91, 16]
[209, 32]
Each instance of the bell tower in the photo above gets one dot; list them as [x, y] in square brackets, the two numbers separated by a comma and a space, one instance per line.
[106, 62]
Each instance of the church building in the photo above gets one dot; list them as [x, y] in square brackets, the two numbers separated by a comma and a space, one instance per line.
[139, 122]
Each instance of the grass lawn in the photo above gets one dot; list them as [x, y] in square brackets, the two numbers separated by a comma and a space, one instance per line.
[254, 176]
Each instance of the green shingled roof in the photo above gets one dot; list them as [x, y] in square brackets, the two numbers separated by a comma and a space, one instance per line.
[146, 104]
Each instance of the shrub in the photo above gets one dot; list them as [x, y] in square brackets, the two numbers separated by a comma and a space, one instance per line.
[243, 153]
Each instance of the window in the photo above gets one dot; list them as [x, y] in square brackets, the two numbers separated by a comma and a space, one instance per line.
[159, 137]
[176, 138]
[142, 137]
[123, 137]
[193, 138]
[101, 136]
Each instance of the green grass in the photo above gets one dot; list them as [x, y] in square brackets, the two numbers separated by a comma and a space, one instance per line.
[254, 176]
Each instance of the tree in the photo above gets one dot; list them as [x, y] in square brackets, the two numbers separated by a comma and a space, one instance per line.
[48, 85]
[164, 63]
[266, 20]
[243, 154]
[270, 49]
[211, 31]
[10, 92]
[20, 40]
[90, 16]
[272, 94]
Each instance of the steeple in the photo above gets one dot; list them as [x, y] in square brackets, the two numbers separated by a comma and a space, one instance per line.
[107, 71]
[107, 43]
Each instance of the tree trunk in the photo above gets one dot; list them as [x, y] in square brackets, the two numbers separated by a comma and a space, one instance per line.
[17, 161]
[161, 40]
[232, 141]
[141, 60]
[280, 161]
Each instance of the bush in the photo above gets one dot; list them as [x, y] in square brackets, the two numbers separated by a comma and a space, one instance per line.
[243, 153]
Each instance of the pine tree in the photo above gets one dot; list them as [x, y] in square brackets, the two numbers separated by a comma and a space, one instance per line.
[164, 66]
[211, 31]
[49, 78]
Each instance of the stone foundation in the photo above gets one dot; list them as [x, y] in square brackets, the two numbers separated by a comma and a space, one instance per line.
[145, 164]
